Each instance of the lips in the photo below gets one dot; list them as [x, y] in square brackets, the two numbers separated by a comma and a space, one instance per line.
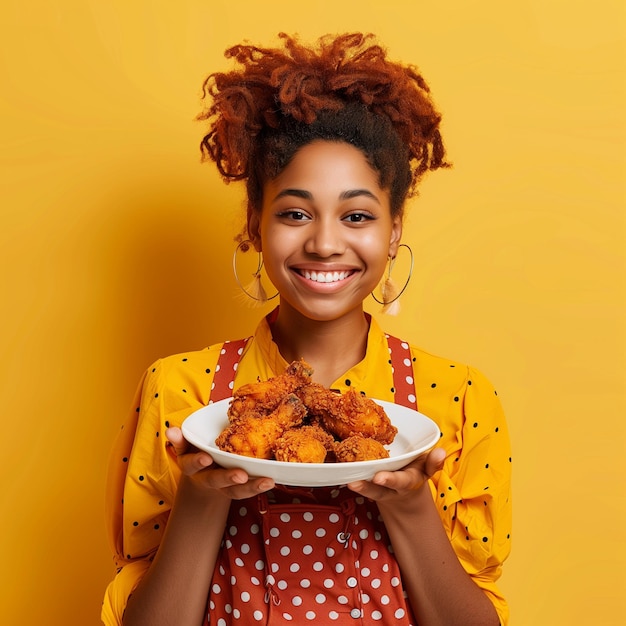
[325, 277]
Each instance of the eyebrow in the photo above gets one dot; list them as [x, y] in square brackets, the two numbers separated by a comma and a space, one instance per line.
[345, 195]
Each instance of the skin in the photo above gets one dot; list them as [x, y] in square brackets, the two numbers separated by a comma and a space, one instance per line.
[324, 212]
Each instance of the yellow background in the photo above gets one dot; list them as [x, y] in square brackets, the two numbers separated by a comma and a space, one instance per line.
[115, 247]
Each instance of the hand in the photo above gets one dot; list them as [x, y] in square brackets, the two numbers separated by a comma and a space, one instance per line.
[199, 467]
[386, 486]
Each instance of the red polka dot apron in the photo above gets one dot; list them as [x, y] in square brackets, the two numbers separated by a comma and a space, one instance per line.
[304, 555]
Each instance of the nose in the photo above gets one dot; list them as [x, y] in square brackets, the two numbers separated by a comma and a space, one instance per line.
[324, 238]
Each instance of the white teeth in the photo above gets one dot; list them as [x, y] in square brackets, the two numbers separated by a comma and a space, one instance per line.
[324, 277]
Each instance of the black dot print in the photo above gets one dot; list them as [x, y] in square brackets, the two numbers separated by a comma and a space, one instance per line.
[208, 370]
[456, 398]
[184, 359]
[475, 424]
[433, 385]
[348, 382]
[141, 478]
[135, 523]
[125, 459]
[485, 539]
[156, 395]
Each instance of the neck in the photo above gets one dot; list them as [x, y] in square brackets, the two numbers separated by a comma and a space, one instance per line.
[331, 347]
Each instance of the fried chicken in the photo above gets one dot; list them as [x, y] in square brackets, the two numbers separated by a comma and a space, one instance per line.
[359, 448]
[291, 418]
[353, 414]
[320, 401]
[308, 444]
[256, 436]
[263, 397]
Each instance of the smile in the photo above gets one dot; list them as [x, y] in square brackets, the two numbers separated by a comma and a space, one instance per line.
[325, 277]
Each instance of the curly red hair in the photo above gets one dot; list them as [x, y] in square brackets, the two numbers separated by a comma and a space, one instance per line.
[281, 98]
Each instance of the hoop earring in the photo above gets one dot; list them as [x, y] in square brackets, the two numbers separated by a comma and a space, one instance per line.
[389, 291]
[254, 290]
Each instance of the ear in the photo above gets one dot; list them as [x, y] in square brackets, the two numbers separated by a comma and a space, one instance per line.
[253, 226]
[396, 236]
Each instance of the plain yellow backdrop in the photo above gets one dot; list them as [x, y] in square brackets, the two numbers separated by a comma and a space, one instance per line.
[115, 247]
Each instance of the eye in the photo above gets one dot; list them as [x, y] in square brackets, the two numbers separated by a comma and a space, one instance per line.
[357, 218]
[293, 215]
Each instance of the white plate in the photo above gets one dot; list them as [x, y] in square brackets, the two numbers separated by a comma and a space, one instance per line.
[416, 434]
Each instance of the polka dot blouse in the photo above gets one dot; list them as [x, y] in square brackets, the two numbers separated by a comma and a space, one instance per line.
[471, 493]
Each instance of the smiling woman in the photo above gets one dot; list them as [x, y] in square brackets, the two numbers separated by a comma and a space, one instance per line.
[331, 140]
[326, 232]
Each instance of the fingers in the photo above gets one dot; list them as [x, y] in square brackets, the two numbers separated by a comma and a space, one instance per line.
[235, 483]
[251, 487]
[409, 478]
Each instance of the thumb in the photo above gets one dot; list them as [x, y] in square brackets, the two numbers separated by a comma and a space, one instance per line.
[176, 440]
[435, 461]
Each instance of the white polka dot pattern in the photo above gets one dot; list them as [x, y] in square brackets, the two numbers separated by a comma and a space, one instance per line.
[402, 369]
[308, 571]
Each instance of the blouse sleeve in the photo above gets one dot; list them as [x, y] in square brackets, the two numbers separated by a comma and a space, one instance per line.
[473, 491]
[142, 480]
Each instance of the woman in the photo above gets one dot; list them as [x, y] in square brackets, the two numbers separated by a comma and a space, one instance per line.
[331, 140]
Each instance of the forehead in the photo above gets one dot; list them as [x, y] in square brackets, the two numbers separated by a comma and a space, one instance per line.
[328, 164]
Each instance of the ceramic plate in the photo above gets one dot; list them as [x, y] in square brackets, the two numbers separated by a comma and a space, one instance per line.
[416, 434]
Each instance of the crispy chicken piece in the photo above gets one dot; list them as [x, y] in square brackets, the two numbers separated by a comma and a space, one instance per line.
[319, 400]
[256, 436]
[354, 414]
[358, 448]
[264, 396]
[308, 444]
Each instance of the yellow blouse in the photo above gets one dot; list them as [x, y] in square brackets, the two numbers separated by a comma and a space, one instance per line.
[472, 492]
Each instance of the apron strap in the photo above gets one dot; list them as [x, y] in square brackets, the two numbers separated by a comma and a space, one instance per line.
[226, 368]
[402, 369]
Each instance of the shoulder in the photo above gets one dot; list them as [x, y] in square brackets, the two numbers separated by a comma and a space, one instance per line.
[442, 372]
[190, 364]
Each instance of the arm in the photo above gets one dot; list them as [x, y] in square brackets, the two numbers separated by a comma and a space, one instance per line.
[439, 589]
[176, 587]
[451, 533]
[144, 501]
